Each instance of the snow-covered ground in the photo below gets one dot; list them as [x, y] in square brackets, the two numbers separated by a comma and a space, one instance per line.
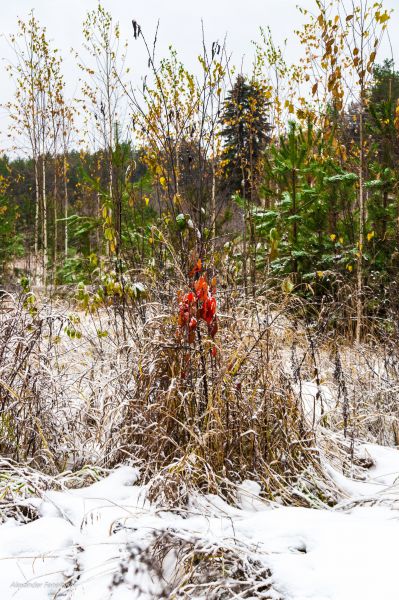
[90, 543]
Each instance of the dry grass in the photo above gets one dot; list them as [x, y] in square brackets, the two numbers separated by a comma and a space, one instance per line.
[284, 396]
[187, 566]
[116, 385]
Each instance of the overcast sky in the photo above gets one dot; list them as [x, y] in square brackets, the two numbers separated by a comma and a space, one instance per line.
[180, 25]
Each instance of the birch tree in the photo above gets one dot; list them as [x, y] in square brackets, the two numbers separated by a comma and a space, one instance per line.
[103, 67]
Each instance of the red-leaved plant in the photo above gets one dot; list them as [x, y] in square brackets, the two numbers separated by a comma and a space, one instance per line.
[198, 305]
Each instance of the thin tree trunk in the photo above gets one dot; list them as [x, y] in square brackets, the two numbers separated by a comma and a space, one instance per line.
[37, 212]
[294, 225]
[359, 299]
[244, 248]
[45, 239]
[385, 217]
[251, 223]
[98, 237]
[213, 208]
[65, 206]
[55, 216]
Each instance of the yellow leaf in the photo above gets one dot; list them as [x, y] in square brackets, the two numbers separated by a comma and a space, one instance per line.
[333, 237]
[370, 236]
[287, 285]
[382, 17]
[108, 234]
[290, 106]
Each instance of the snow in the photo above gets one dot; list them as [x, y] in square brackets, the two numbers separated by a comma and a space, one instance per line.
[385, 468]
[317, 400]
[331, 555]
[85, 539]
[382, 476]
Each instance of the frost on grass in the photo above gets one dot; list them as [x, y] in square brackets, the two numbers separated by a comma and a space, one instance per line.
[281, 490]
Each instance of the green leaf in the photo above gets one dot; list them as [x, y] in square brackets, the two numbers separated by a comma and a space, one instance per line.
[181, 221]
[342, 177]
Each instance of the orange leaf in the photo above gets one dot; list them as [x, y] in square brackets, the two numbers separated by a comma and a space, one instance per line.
[197, 268]
[201, 288]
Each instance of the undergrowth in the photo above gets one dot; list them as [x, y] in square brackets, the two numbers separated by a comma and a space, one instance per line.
[266, 397]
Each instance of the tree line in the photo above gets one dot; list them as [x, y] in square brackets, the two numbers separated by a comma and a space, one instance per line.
[286, 173]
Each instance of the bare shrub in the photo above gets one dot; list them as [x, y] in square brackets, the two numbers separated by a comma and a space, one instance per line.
[185, 565]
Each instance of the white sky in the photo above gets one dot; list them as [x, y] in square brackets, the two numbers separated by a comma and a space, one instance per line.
[180, 25]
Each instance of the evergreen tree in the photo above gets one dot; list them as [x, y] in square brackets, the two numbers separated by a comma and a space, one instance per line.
[245, 130]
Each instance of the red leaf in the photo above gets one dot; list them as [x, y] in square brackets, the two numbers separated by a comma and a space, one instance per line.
[209, 309]
[189, 298]
[213, 328]
[184, 316]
